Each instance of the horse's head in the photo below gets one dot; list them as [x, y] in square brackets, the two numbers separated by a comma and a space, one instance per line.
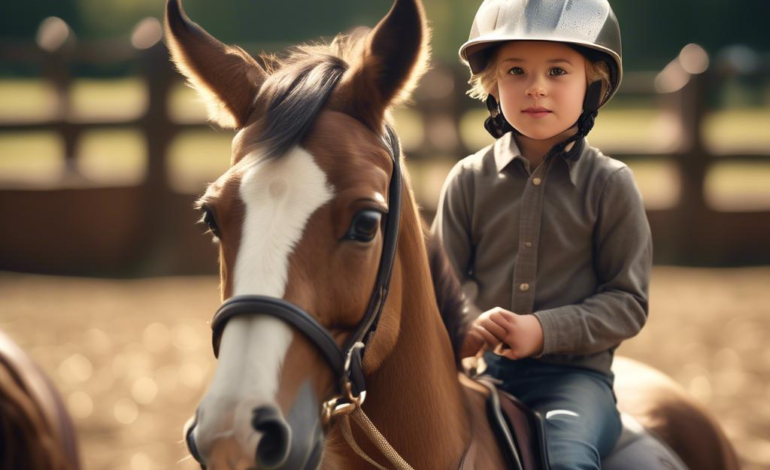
[302, 219]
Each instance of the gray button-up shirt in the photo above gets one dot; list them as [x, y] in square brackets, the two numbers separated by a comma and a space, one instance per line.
[568, 242]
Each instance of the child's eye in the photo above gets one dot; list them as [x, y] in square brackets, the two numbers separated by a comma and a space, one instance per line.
[558, 71]
[516, 71]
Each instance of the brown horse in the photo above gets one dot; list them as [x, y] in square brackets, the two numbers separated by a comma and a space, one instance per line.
[35, 430]
[303, 219]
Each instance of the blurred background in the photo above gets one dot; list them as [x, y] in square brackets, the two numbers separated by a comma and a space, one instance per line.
[108, 283]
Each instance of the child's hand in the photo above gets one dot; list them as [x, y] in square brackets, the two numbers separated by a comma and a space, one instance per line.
[520, 335]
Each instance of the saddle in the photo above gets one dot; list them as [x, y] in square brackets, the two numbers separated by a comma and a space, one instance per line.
[520, 431]
[521, 438]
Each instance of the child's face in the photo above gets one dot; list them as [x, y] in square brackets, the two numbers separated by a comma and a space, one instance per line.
[540, 86]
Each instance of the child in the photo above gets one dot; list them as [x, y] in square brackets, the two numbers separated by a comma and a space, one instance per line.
[548, 235]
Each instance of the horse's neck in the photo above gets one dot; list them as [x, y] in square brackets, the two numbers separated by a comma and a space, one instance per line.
[414, 399]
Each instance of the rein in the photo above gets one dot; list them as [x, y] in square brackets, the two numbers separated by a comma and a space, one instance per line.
[346, 363]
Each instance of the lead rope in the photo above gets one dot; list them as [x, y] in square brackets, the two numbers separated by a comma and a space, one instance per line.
[377, 439]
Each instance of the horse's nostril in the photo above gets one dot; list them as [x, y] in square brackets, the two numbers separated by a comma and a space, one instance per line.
[273, 448]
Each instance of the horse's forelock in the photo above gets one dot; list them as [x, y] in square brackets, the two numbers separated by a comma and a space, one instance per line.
[292, 98]
[300, 84]
[297, 88]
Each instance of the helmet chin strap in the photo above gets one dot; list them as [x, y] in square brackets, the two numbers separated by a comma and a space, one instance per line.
[497, 125]
[591, 104]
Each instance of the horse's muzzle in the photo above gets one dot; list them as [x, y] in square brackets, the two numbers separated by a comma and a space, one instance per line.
[291, 443]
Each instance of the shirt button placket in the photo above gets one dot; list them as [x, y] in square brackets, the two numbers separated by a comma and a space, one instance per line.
[526, 263]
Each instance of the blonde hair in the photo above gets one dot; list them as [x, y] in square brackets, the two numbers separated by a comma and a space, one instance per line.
[483, 83]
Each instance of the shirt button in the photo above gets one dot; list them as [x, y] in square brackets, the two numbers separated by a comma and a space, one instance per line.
[528, 244]
[537, 181]
[524, 287]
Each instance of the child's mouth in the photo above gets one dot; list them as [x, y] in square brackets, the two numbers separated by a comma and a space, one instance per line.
[537, 112]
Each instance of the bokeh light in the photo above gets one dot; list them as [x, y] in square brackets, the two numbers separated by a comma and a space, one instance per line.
[80, 404]
[125, 411]
[144, 390]
[76, 368]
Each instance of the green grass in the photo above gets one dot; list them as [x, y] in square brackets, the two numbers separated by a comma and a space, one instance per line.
[738, 186]
[26, 99]
[109, 99]
[410, 128]
[640, 130]
[197, 157]
[658, 182]
[30, 158]
[89, 99]
[97, 162]
[185, 106]
[738, 130]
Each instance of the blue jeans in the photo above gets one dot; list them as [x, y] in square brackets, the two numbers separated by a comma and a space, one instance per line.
[582, 423]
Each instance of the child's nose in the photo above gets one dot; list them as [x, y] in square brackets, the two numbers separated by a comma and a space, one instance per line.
[536, 89]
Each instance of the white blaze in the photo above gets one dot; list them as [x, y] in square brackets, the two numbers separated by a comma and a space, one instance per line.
[279, 195]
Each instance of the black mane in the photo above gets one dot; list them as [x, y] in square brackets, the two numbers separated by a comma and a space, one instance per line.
[449, 295]
[294, 95]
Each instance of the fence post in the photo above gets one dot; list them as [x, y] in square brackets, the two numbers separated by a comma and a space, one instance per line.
[685, 82]
[159, 132]
[57, 41]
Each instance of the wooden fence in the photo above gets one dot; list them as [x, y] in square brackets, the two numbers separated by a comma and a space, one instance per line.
[148, 229]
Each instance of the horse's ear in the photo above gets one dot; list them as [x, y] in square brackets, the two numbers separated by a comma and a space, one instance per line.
[227, 77]
[393, 59]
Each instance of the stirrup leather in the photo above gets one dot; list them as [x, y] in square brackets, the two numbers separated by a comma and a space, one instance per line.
[520, 431]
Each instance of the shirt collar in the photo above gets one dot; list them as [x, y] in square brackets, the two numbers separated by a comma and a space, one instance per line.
[576, 164]
[506, 151]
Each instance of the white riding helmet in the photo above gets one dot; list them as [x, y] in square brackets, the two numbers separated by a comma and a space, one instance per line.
[589, 24]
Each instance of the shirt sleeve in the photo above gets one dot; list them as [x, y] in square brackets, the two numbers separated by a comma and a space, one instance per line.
[623, 262]
[452, 224]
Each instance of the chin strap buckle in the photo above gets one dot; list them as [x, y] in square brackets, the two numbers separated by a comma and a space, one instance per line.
[496, 124]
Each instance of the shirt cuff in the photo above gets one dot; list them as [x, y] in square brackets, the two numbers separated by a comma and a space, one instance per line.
[550, 332]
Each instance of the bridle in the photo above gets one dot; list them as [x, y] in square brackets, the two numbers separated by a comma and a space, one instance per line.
[346, 363]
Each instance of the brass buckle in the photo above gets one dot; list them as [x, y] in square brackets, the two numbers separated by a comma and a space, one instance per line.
[331, 409]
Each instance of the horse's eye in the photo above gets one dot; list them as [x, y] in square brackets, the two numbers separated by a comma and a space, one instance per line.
[364, 226]
[210, 221]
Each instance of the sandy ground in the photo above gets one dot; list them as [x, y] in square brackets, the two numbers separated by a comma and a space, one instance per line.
[132, 358]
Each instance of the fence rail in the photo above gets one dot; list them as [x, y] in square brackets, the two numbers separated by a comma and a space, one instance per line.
[149, 228]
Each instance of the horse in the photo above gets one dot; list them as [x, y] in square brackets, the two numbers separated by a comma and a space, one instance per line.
[336, 300]
[36, 432]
